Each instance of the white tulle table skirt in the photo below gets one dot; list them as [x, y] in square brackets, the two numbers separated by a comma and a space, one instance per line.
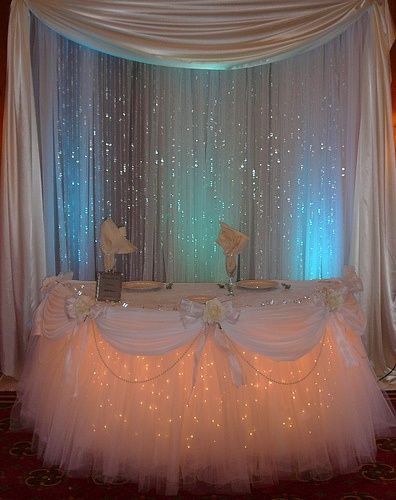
[314, 415]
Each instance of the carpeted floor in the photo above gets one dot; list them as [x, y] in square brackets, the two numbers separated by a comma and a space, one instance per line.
[22, 476]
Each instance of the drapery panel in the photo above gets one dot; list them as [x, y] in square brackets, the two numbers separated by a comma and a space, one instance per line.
[171, 151]
[199, 34]
[22, 252]
[263, 32]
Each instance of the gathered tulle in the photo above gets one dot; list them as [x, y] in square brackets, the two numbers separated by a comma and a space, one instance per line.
[97, 411]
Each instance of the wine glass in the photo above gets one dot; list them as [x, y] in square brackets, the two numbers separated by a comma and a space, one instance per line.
[231, 266]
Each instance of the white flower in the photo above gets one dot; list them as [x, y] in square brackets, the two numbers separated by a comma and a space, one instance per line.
[214, 311]
[333, 299]
[82, 307]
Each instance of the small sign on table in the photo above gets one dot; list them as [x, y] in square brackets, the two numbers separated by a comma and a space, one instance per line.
[108, 286]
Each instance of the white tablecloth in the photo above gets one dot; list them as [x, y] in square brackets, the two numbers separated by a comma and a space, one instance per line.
[147, 391]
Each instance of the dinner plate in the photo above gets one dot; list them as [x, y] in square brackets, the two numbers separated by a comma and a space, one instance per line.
[257, 284]
[141, 286]
[202, 299]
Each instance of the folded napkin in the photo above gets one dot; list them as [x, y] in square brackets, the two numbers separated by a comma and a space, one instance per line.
[113, 241]
[232, 242]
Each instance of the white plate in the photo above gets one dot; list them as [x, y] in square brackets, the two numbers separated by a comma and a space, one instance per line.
[202, 299]
[140, 286]
[257, 284]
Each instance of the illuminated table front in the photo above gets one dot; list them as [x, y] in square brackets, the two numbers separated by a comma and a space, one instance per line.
[166, 392]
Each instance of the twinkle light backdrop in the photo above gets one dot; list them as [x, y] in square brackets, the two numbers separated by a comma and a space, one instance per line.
[170, 152]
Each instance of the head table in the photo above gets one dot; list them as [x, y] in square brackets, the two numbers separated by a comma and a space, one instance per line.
[174, 387]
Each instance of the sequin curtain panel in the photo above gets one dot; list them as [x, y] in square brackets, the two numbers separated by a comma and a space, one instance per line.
[170, 152]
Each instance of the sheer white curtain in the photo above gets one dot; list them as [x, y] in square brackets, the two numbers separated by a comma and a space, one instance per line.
[170, 152]
[230, 179]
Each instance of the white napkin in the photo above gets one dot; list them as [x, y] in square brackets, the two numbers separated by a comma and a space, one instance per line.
[113, 241]
[232, 242]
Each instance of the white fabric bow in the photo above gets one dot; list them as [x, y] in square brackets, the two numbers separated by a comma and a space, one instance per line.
[212, 314]
[113, 241]
[213, 311]
[339, 300]
[340, 319]
[232, 243]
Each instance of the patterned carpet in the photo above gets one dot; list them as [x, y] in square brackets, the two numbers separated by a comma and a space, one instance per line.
[22, 476]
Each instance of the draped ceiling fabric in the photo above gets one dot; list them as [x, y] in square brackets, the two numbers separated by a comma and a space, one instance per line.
[198, 34]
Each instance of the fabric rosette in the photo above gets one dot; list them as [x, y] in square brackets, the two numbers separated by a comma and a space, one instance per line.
[82, 307]
[334, 298]
[212, 312]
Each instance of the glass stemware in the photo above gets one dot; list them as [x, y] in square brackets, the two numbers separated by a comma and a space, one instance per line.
[230, 270]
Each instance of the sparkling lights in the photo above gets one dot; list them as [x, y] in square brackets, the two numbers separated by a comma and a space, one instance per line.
[171, 152]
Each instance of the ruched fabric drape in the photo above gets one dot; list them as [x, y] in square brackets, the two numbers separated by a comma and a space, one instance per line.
[211, 35]
[197, 34]
[282, 333]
